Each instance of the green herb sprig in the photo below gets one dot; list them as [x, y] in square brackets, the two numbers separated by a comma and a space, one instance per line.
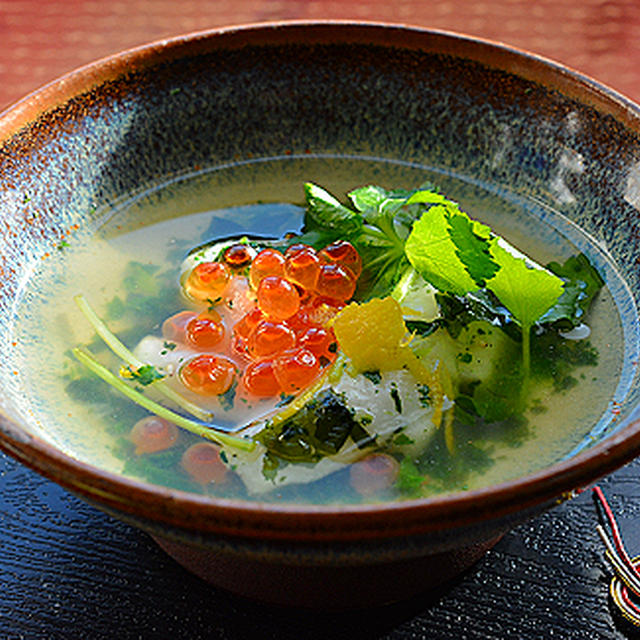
[135, 364]
[196, 428]
[398, 230]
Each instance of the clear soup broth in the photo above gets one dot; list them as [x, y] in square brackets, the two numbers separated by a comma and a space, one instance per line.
[130, 270]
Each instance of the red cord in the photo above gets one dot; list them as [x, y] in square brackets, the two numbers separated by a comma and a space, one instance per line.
[617, 539]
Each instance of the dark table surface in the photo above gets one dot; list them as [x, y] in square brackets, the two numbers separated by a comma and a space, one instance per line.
[69, 571]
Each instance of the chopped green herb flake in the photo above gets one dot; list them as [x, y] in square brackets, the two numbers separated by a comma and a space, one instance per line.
[395, 396]
[409, 480]
[228, 397]
[424, 395]
[374, 376]
[144, 375]
[403, 439]
[285, 400]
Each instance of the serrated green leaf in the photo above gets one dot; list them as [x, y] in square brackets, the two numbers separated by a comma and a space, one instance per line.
[325, 211]
[472, 247]
[527, 290]
[582, 283]
[432, 252]
[375, 202]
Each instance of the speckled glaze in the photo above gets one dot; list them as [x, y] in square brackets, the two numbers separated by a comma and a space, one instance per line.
[487, 113]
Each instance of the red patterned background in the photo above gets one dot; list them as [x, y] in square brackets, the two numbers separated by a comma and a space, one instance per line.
[42, 39]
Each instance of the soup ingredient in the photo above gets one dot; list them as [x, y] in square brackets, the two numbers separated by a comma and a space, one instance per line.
[296, 370]
[302, 266]
[398, 230]
[260, 380]
[121, 351]
[270, 338]
[344, 254]
[204, 430]
[278, 299]
[376, 337]
[175, 327]
[373, 335]
[204, 331]
[373, 474]
[335, 282]
[203, 463]
[207, 281]
[209, 375]
[269, 262]
[238, 255]
[153, 434]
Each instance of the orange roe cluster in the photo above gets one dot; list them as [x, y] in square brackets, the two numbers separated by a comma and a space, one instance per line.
[275, 339]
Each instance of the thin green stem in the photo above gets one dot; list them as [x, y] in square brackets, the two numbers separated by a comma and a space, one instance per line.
[526, 356]
[204, 431]
[124, 354]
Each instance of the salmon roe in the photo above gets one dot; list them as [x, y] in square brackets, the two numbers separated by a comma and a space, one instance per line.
[268, 262]
[344, 254]
[259, 379]
[248, 323]
[209, 375]
[336, 282]
[206, 330]
[174, 328]
[153, 434]
[320, 341]
[277, 316]
[296, 370]
[203, 463]
[237, 255]
[269, 338]
[278, 299]
[373, 474]
[207, 281]
[302, 266]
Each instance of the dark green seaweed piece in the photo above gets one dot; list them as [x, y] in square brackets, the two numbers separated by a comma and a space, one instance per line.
[319, 428]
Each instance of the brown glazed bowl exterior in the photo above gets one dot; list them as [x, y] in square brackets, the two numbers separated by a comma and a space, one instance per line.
[449, 102]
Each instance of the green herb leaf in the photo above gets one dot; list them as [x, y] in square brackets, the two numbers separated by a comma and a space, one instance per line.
[402, 439]
[582, 283]
[376, 202]
[409, 479]
[145, 375]
[324, 211]
[527, 290]
[434, 254]
[472, 248]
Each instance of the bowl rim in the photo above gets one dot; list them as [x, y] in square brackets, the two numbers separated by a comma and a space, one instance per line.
[260, 520]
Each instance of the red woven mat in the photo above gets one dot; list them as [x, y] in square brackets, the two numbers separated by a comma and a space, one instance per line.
[42, 39]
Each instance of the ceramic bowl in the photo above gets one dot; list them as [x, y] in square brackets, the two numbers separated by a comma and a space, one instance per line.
[520, 126]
